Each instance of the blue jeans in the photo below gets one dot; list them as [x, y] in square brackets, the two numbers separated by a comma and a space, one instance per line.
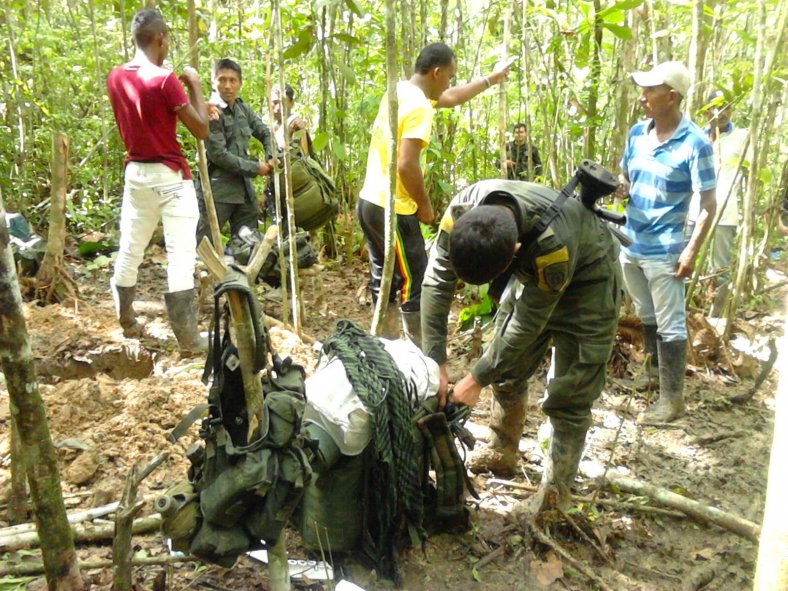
[657, 293]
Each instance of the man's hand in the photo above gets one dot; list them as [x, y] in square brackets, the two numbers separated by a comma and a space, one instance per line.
[425, 214]
[190, 76]
[500, 72]
[443, 386]
[296, 124]
[466, 391]
[686, 264]
[213, 112]
[263, 168]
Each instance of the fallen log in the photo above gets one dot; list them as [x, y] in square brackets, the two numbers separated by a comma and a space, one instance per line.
[81, 533]
[705, 513]
[76, 517]
[622, 505]
[27, 569]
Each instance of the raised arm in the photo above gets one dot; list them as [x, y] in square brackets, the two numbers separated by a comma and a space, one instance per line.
[195, 115]
[456, 95]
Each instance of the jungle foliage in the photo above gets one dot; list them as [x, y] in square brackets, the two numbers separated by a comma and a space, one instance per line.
[569, 85]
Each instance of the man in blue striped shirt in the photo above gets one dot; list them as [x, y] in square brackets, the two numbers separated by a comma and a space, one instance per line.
[667, 157]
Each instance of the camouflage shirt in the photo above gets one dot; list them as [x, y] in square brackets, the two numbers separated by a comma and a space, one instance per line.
[229, 165]
[519, 155]
[575, 250]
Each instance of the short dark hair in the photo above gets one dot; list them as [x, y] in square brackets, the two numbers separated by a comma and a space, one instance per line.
[435, 55]
[228, 64]
[519, 126]
[145, 26]
[289, 92]
[481, 244]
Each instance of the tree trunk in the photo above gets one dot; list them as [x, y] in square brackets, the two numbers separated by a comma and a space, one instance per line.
[697, 58]
[51, 275]
[589, 147]
[27, 409]
[507, 21]
[762, 69]
[625, 102]
[295, 292]
[17, 503]
[390, 216]
[194, 35]
[771, 571]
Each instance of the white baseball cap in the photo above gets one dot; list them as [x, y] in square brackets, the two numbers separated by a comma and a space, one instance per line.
[674, 74]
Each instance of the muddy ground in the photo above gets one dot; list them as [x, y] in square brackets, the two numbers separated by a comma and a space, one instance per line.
[111, 403]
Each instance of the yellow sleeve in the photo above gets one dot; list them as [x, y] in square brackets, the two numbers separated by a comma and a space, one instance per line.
[417, 124]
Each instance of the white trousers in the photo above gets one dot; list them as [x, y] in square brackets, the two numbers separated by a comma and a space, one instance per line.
[154, 192]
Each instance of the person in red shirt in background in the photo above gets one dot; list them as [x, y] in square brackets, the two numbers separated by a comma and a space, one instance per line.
[147, 100]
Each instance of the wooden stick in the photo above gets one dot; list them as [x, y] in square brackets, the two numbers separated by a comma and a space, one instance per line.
[616, 504]
[81, 533]
[258, 259]
[487, 559]
[309, 340]
[576, 564]
[75, 517]
[128, 509]
[699, 511]
[35, 568]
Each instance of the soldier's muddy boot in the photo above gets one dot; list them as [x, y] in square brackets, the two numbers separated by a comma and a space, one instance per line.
[649, 379]
[561, 461]
[391, 322]
[411, 326]
[502, 453]
[182, 312]
[672, 365]
[124, 309]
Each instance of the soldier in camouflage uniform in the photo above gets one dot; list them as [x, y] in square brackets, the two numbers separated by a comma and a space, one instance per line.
[565, 290]
[229, 165]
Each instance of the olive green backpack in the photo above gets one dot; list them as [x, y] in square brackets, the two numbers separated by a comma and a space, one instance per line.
[240, 491]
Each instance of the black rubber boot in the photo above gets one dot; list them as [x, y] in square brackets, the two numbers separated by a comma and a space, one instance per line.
[649, 379]
[124, 309]
[411, 326]
[500, 457]
[182, 312]
[672, 365]
[561, 462]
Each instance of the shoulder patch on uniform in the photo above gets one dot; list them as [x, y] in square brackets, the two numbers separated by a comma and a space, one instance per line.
[453, 213]
[552, 270]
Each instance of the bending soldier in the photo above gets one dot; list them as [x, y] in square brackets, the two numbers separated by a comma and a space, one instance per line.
[565, 289]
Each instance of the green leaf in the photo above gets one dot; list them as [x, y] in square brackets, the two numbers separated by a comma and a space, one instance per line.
[15, 583]
[319, 142]
[304, 42]
[619, 7]
[347, 73]
[354, 7]
[339, 150]
[475, 575]
[350, 39]
[620, 31]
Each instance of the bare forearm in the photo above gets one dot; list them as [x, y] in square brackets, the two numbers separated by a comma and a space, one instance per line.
[412, 180]
[458, 95]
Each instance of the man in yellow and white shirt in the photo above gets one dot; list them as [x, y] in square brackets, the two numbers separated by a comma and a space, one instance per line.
[417, 98]
[729, 143]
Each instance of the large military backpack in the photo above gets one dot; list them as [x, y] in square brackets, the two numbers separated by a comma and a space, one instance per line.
[313, 192]
[241, 490]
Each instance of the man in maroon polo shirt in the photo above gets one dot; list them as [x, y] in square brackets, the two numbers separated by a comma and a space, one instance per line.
[147, 100]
